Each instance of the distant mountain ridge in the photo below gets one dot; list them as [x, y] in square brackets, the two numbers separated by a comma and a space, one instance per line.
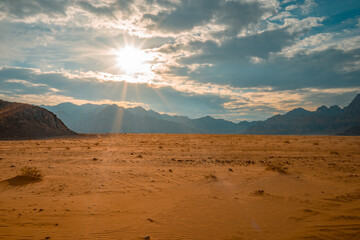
[323, 121]
[25, 121]
[89, 118]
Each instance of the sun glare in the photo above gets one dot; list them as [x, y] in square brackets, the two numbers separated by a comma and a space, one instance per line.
[132, 60]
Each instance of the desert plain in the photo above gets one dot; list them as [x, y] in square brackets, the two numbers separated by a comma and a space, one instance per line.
[168, 186]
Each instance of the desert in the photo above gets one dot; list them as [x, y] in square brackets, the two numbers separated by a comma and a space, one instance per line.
[181, 186]
[179, 120]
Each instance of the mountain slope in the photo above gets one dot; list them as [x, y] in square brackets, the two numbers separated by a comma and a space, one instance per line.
[352, 131]
[25, 121]
[90, 118]
[328, 121]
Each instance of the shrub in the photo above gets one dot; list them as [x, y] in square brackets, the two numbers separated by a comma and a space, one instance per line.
[259, 192]
[211, 176]
[278, 167]
[31, 172]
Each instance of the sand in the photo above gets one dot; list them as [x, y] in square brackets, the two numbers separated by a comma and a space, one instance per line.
[164, 186]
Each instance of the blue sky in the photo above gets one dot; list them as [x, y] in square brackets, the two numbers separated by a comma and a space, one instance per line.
[232, 59]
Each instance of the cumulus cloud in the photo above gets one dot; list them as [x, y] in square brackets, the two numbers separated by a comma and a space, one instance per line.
[232, 58]
[308, 6]
[187, 14]
[23, 9]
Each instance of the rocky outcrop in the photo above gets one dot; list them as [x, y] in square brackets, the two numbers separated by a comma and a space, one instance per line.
[25, 121]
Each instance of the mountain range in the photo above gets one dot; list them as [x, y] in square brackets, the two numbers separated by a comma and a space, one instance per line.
[25, 121]
[90, 118]
[324, 121]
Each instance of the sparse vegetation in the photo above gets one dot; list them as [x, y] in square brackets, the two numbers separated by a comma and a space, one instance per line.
[278, 167]
[334, 153]
[31, 172]
[259, 192]
[211, 176]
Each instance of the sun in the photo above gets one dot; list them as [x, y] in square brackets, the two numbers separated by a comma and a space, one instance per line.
[132, 60]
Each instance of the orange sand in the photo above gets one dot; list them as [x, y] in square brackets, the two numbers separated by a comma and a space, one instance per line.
[130, 186]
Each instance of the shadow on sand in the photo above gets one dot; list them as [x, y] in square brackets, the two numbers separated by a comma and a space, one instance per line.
[19, 181]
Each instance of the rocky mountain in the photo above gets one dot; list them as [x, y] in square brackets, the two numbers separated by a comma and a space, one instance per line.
[352, 131]
[323, 121]
[24, 121]
[91, 118]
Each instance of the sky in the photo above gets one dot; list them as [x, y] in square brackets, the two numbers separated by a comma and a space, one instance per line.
[232, 59]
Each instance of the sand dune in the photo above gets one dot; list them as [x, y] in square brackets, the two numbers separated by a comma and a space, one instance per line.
[160, 186]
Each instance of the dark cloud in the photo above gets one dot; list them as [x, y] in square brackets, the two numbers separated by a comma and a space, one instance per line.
[28, 8]
[103, 10]
[188, 14]
[123, 6]
[321, 69]
[237, 15]
[239, 49]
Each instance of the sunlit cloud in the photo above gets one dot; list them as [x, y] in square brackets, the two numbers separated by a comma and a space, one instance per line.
[244, 59]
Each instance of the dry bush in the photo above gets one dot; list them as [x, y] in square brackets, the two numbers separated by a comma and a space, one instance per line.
[211, 176]
[259, 192]
[278, 167]
[31, 172]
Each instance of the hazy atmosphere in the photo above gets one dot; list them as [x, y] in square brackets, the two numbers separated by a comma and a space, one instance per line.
[237, 60]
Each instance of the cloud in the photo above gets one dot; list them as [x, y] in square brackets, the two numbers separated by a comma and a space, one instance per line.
[28, 8]
[233, 104]
[160, 98]
[105, 10]
[185, 16]
[233, 58]
[239, 49]
[322, 69]
[308, 6]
